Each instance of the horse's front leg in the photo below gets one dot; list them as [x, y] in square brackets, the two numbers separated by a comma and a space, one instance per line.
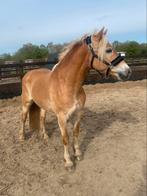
[62, 121]
[76, 131]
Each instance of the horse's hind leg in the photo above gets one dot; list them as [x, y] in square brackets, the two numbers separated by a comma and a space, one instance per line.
[42, 124]
[62, 121]
[25, 110]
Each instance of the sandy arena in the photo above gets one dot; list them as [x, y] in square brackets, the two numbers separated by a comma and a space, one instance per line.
[112, 138]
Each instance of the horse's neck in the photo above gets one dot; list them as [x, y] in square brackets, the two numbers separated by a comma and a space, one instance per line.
[73, 69]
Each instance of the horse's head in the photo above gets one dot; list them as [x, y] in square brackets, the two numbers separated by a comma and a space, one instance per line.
[105, 59]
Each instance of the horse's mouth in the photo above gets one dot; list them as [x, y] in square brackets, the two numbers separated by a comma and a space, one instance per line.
[120, 76]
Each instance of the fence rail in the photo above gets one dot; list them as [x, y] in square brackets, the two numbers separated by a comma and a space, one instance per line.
[11, 75]
[19, 69]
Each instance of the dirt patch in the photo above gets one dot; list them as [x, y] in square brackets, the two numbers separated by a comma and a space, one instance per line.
[113, 142]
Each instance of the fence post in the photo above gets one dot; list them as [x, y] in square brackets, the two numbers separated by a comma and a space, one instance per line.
[21, 70]
[0, 74]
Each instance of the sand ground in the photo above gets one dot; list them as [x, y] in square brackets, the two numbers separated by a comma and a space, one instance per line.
[112, 138]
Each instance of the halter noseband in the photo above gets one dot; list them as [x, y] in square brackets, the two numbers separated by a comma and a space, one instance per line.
[110, 65]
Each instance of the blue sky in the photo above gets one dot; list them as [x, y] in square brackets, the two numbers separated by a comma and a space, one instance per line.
[43, 21]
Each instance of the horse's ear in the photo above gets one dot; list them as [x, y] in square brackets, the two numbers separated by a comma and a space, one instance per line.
[101, 33]
[105, 32]
[97, 36]
[102, 30]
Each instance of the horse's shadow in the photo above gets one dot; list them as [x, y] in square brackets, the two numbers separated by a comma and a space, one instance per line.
[94, 123]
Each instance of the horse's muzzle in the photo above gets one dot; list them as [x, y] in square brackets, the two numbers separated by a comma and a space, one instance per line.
[125, 75]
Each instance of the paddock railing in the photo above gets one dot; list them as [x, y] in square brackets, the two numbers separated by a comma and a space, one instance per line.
[10, 69]
[11, 74]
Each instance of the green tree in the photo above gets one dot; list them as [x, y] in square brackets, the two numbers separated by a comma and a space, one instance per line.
[29, 51]
[132, 49]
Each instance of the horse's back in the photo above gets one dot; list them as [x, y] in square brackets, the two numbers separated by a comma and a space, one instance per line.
[36, 74]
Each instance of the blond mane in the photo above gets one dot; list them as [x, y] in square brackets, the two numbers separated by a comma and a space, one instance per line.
[100, 49]
[67, 48]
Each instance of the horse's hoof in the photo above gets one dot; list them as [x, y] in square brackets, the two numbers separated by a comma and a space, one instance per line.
[69, 166]
[21, 138]
[45, 140]
[79, 157]
[44, 137]
[70, 169]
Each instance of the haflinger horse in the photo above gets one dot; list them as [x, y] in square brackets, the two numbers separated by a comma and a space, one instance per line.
[61, 91]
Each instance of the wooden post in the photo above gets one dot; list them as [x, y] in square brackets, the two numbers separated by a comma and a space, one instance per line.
[0, 74]
[21, 70]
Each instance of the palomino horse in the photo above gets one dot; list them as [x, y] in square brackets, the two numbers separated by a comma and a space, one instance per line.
[60, 89]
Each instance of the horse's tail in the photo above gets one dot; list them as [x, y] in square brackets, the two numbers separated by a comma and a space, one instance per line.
[34, 117]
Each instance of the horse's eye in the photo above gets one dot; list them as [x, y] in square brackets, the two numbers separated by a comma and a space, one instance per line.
[109, 50]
